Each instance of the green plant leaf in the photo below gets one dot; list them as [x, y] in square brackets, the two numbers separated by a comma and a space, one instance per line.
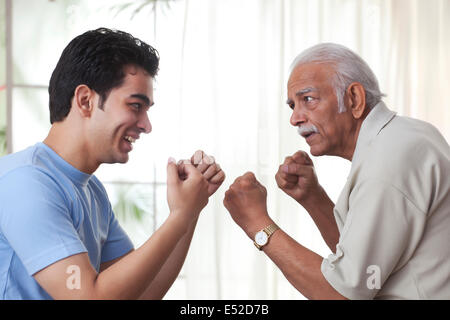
[131, 202]
[3, 145]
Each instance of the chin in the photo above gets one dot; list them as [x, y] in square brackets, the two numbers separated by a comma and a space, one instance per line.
[317, 152]
[123, 159]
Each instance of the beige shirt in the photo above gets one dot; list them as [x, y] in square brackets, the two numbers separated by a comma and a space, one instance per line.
[393, 214]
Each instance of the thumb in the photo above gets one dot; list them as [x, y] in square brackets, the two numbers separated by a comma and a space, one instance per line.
[189, 169]
[302, 157]
[172, 171]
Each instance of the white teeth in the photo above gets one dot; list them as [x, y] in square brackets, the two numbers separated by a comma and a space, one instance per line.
[130, 139]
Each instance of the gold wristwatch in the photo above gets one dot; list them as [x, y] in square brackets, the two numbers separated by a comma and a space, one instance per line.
[262, 237]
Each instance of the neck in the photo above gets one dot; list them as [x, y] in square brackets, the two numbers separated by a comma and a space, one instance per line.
[349, 151]
[72, 149]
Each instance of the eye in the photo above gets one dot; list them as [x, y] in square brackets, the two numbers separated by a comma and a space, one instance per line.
[308, 98]
[291, 105]
[136, 105]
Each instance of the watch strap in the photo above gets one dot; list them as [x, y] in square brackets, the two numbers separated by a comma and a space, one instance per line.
[269, 230]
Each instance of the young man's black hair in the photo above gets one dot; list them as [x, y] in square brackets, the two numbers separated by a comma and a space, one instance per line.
[96, 58]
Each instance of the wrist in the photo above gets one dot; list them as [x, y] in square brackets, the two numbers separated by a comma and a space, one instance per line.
[180, 221]
[257, 225]
[314, 196]
[317, 200]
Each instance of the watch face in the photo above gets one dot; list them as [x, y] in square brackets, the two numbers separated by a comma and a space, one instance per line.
[261, 238]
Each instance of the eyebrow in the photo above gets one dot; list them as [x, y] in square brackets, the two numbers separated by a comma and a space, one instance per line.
[144, 98]
[302, 92]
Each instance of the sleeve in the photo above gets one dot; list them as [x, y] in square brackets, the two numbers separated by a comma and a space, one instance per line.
[381, 232]
[117, 243]
[35, 219]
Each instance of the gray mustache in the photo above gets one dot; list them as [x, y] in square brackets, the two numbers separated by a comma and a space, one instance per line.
[307, 129]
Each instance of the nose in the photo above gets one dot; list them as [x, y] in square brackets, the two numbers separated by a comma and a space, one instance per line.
[144, 124]
[298, 117]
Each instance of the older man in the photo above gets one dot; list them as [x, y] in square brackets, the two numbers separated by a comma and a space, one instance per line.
[390, 228]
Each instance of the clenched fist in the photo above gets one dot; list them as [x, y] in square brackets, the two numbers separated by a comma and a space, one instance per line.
[246, 200]
[186, 197]
[297, 177]
[207, 166]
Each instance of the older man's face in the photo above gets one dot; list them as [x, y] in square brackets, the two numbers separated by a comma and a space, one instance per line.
[313, 101]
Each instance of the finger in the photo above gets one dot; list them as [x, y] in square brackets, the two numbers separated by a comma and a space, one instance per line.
[288, 160]
[209, 159]
[227, 197]
[205, 163]
[210, 172]
[218, 178]
[181, 169]
[236, 181]
[284, 184]
[197, 157]
[296, 169]
[301, 157]
[288, 177]
[190, 170]
[180, 166]
[172, 171]
[247, 181]
[249, 175]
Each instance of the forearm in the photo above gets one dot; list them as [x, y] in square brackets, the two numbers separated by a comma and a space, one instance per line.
[129, 277]
[320, 208]
[171, 268]
[300, 266]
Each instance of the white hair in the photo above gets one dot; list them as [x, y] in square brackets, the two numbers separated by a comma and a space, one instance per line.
[349, 67]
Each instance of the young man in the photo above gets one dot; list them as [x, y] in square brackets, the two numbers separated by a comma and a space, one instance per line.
[58, 235]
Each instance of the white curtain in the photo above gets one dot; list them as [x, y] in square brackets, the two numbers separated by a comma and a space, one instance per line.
[221, 88]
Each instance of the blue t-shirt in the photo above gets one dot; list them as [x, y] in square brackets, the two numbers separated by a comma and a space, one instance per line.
[49, 211]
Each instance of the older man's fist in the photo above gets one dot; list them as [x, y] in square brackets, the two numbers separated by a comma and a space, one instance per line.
[297, 177]
[246, 200]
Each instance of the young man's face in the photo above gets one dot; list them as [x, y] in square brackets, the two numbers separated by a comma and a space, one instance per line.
[124, 117]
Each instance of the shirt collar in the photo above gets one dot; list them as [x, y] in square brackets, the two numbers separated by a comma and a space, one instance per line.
[372, 125]
[73, 173]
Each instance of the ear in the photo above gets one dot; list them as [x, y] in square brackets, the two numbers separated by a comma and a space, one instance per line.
[83, 100]
[357, 99]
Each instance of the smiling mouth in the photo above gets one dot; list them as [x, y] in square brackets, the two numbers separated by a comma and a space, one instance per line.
[129, 139]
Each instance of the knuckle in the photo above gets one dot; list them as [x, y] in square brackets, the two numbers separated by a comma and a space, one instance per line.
[246, 184]
[210, 160]
[282, 184]
[300, 154]
[249, 175]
